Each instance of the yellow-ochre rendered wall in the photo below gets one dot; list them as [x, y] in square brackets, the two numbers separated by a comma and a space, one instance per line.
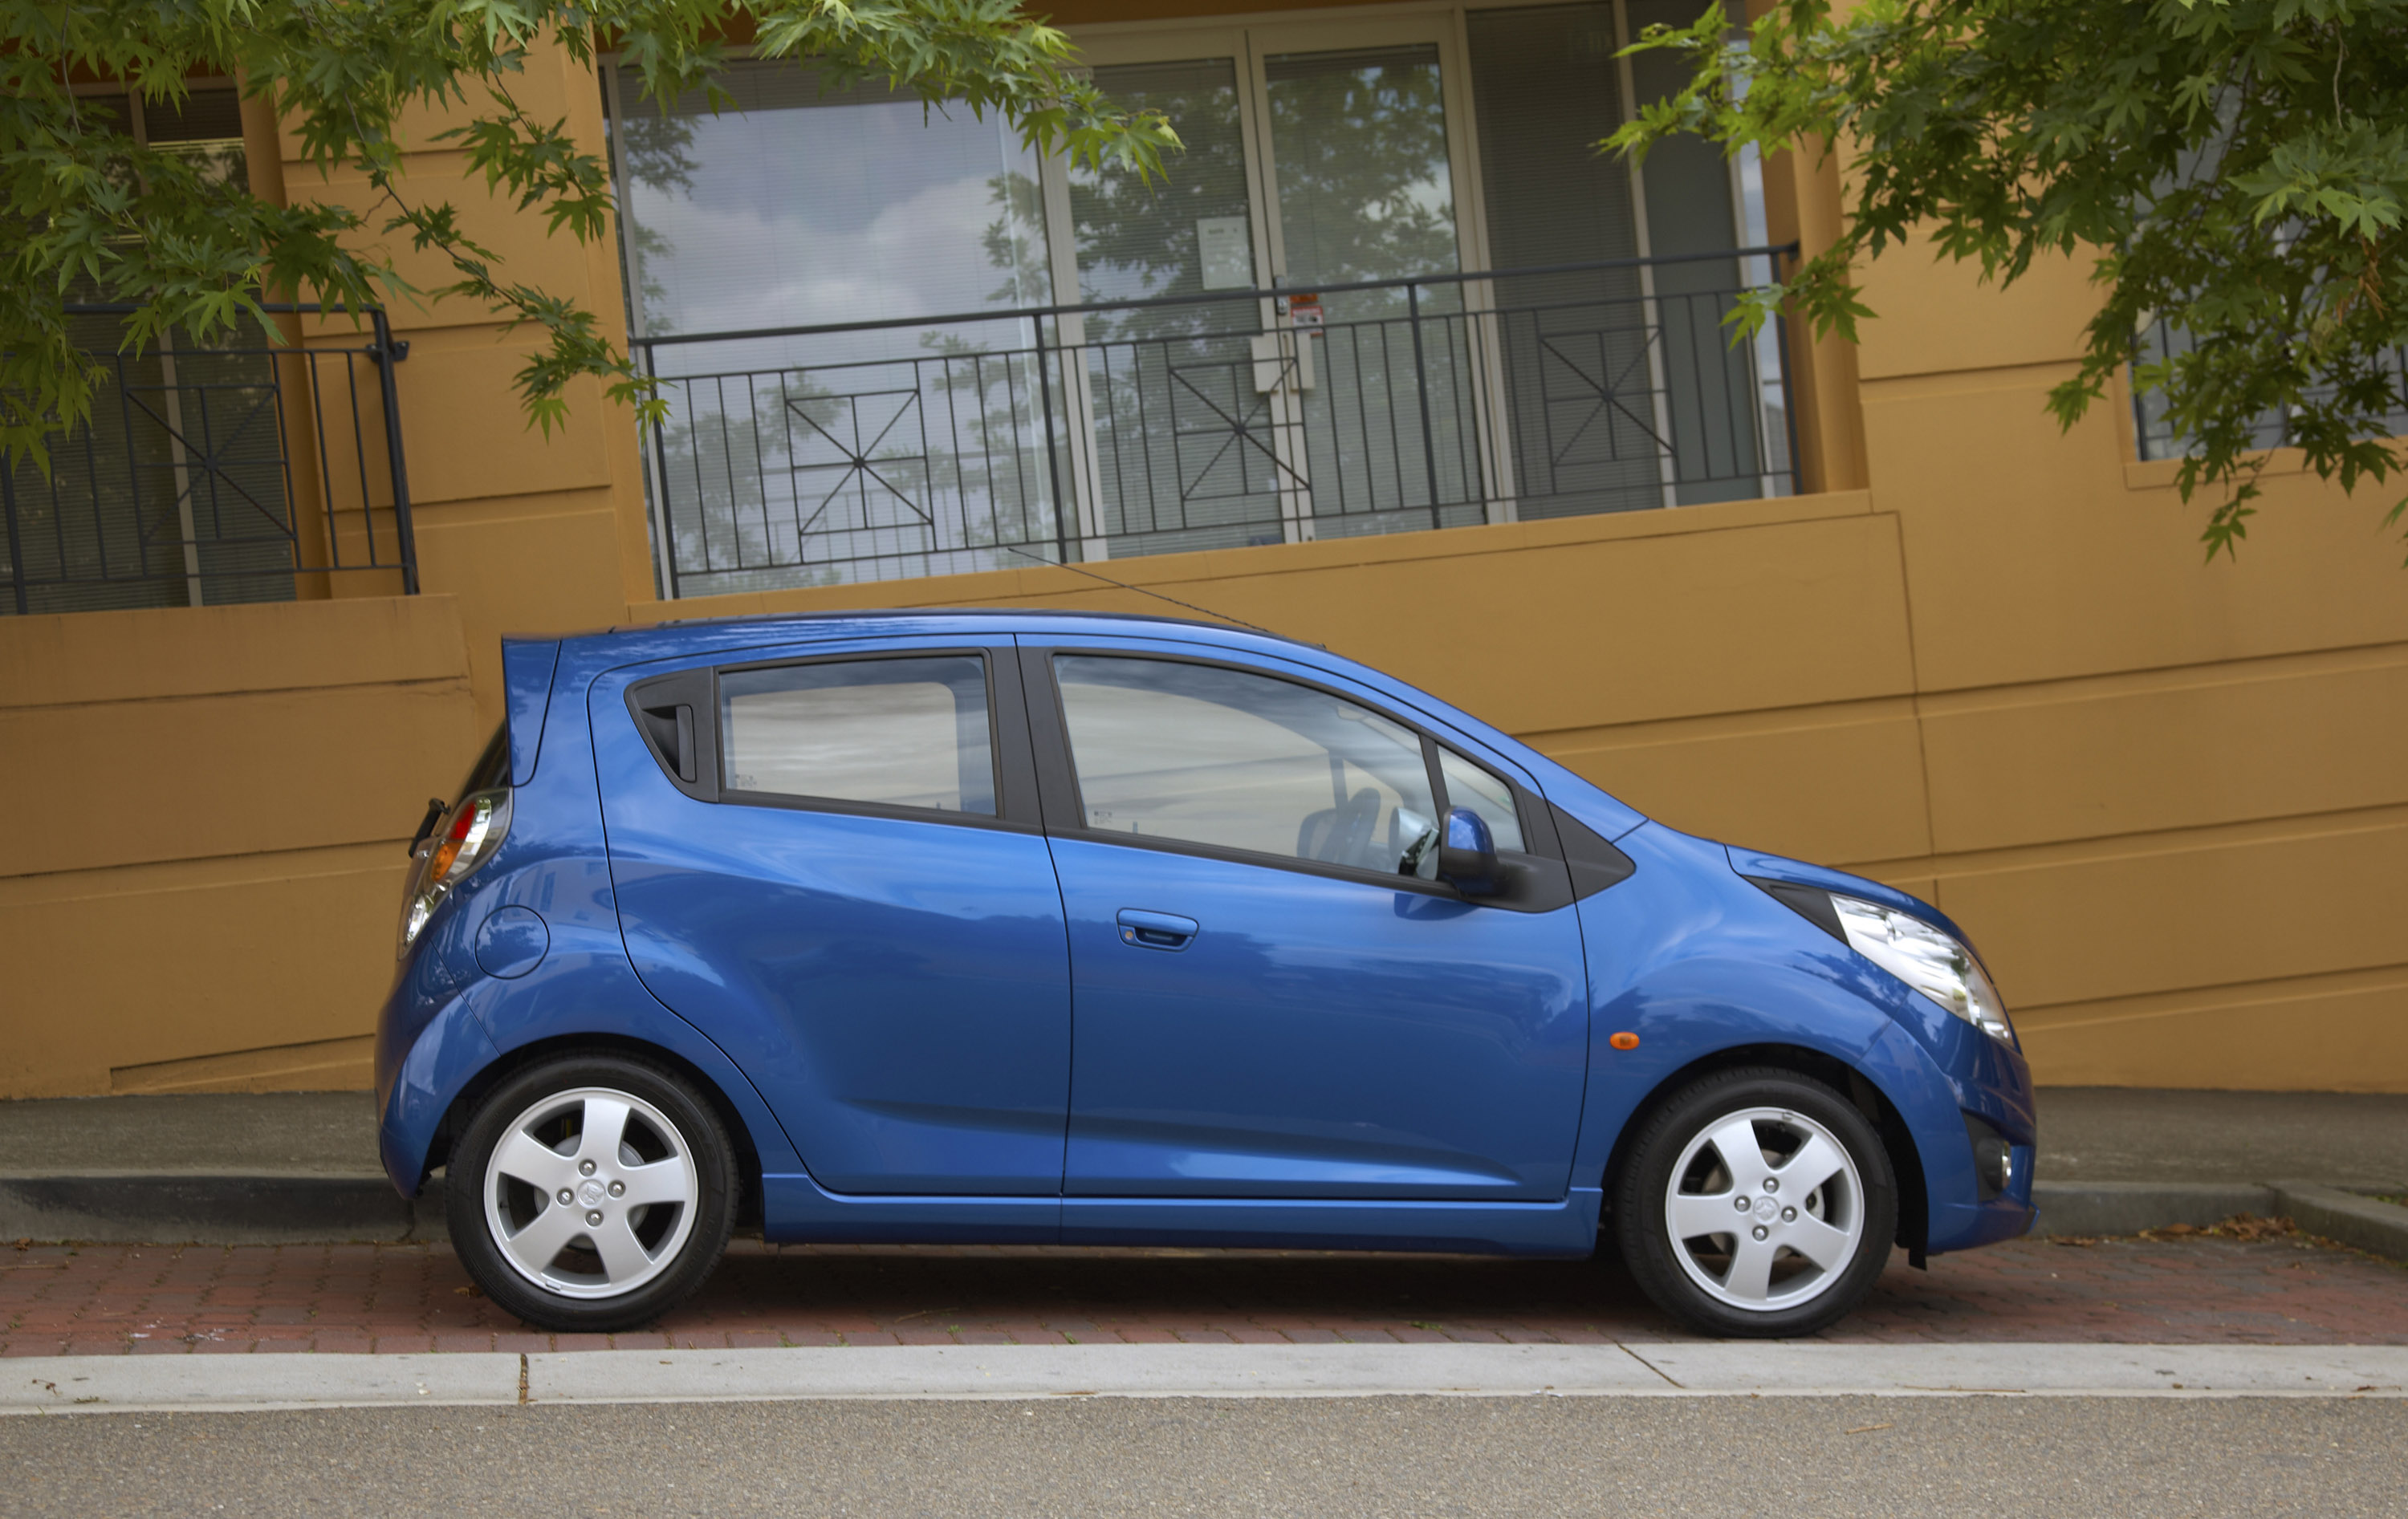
[202, 862]
[1980, 658]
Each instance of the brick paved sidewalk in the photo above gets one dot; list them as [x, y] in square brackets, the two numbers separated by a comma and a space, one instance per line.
[149, 1300]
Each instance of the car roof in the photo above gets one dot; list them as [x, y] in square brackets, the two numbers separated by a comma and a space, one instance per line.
[640, 642]
[953, 614]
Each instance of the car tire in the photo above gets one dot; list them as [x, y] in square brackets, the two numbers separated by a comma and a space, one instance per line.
[1785, 1242]
[575, 1228]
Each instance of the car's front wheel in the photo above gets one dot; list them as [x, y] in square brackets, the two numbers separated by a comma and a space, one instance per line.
[591, 1193]
[1757, 1202]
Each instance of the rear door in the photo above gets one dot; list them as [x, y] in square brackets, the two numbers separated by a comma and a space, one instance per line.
[829, 859]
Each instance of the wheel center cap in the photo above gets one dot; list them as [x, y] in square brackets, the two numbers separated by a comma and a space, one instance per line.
[1766, 1208]
[592, 1191]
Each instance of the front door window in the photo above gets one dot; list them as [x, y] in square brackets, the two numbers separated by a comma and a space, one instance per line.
[1208, 755]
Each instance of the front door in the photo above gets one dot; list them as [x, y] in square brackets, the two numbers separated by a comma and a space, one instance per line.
[830, 862]
[1273, 999]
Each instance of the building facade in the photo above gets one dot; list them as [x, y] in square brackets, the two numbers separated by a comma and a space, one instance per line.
[1391, 362]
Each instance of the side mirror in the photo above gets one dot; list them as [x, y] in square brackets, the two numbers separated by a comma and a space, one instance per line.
[1467, 855]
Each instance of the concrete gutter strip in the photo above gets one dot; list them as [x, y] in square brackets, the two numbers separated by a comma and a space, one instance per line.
[1806, 1366]
[2378, 1227]
[1086, 1370]
[226, 1384]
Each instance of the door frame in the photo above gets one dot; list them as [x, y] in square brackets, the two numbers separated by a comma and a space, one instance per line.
[1546, 882]
[1247, 42]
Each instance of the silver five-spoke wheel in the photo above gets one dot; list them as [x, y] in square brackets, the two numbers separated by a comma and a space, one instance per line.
[1757, 1201]
[591, 1193]
[1766, 1208]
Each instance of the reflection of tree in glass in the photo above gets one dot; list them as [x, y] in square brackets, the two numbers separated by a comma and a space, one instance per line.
[760, 469]
[1137, 238]
[1185, 437]
[1016, 239]
[989, 448]
[724, 442]
[656, 152]
[1360, 144]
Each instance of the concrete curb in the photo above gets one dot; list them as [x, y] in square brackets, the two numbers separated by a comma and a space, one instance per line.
[92, 1383]
[155, 1207]
[2380, 1228]
[135, 1383]
[2084, 1207]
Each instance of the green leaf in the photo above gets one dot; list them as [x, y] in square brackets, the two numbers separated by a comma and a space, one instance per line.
[86, 207]
[2234, 170]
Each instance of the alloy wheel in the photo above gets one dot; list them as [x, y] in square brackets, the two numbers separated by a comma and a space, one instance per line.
[1765, 1209]
[591, 1193]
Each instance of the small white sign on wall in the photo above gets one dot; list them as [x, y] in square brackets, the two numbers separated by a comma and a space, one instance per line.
[1228, 249]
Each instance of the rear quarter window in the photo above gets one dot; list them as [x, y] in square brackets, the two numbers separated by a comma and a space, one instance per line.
[907, 733]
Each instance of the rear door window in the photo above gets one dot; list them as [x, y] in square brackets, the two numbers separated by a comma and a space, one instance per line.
[908, 732]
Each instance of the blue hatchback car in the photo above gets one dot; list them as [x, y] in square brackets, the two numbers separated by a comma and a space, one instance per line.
[1047, 927]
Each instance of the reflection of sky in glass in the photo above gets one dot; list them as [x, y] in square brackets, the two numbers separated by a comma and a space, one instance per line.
[1359, 141]
[1138, 239]
[1218, 757]
[1469, 785]
[905, 733]
[797, 209]
[1755, 233]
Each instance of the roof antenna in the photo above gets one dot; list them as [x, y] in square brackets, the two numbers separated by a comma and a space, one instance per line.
[1082, 569]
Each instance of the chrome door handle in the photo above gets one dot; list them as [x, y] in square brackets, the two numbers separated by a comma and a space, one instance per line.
[1155, 930]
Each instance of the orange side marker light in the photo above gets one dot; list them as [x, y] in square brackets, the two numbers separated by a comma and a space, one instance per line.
[1624, 1040]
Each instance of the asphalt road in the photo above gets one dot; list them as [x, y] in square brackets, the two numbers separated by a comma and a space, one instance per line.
[1355, 1459]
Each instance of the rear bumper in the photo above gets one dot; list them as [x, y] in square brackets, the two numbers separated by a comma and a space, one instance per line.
[417, 1089]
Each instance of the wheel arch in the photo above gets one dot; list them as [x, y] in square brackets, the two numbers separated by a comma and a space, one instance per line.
[464, 1104]
[1898, 1141]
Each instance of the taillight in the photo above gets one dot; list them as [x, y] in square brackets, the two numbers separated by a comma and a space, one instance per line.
[460, 843]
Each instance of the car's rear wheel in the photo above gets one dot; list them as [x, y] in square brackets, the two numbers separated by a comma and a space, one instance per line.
[592, 1193]
[1759, 1203]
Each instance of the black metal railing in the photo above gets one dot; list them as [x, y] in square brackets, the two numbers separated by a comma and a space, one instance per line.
[214, 472]
[986, 439]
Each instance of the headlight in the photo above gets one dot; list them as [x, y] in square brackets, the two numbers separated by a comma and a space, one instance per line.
[1926, 959]
[460, 843]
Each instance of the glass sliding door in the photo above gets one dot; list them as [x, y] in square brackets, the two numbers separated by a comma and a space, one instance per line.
[1711, 396]
[851, 452]
[1580, 373]
[1320, 154]
[1623, 390]
[1358, 147]
[1188, 450]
